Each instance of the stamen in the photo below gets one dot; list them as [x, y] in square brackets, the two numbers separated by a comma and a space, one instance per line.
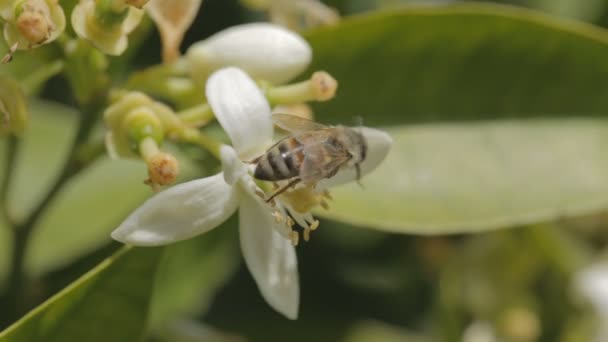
[295, 237]
[290, 222]
[260, 193]
[327, 195]
[306, 234]
[278, 217]
[314, 225]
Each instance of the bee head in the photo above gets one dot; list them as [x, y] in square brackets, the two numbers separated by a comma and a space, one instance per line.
[356, 145]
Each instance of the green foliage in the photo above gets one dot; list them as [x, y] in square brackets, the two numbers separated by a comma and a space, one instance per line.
[110, 302]
[461, 62]
[454, 178]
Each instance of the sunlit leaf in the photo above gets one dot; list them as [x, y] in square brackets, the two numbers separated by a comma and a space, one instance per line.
[461, 62]
[448, 178]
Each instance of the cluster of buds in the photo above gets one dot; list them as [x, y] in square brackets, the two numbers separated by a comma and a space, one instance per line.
[137, 127]
[13, 109]
[31, 23]
[107, 23]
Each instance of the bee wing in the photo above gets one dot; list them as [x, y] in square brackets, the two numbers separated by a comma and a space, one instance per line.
[321, 161]
[296, 124]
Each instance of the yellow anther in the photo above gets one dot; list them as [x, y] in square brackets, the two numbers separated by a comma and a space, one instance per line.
[278, 217]
[327, 195]
[306, 234]
[290, 222]
[314, 225]
[260, 193]
[295, 237]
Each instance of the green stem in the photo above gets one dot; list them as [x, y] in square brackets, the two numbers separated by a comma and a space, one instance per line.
[196, 116]
[195, 136]
[12, 148]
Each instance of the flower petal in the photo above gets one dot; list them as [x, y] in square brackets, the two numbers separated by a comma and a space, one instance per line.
[270, 257]
[592, 282]
[241, 109]
[378, 146]
[179, 213]
[265, 51]
[233, 167]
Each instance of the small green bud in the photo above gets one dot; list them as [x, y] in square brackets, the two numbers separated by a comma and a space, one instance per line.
[134, 117]
[142, 123]
[13, 109]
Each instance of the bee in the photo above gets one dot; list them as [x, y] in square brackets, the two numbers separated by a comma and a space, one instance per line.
[310, 153]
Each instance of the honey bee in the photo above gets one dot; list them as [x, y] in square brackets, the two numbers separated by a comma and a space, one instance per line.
[311, 153]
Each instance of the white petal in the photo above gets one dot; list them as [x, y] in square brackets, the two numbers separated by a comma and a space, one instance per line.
[265, 51]
[270, 257]
[592, 282]
[179, 213]
[378, 145]
[242, 110]
[232, 167]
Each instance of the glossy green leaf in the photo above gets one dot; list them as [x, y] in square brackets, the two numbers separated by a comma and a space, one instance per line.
[461, 62]
[451, 178]
[109, 303]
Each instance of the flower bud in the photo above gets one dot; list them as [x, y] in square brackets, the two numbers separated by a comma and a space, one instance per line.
[105, 24]
[31, 23]
[13, 109]
[133, 118]
[264, 51]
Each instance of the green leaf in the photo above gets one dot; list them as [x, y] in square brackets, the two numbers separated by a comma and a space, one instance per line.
[452, 178]
[109, 303]
[461, 62]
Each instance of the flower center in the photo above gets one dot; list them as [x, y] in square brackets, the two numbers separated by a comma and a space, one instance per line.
[294, 206]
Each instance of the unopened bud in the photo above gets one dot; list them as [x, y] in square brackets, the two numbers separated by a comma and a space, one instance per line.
[264, 51]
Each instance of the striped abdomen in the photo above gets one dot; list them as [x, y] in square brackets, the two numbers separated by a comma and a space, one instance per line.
[281, 161]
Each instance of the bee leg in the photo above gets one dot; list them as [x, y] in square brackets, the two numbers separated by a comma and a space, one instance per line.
[282, 190]
[358, 169]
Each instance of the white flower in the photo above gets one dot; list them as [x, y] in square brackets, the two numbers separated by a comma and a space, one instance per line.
[592, 283]
[264, 51]
[195, 207]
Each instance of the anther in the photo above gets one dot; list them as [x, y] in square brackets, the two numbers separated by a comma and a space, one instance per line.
[295, 237]
[290, 222]
[278, 217]
[314, 225]
[306, 234]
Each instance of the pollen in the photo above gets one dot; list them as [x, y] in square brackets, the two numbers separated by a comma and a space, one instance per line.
[295, 238]
[303, 199]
